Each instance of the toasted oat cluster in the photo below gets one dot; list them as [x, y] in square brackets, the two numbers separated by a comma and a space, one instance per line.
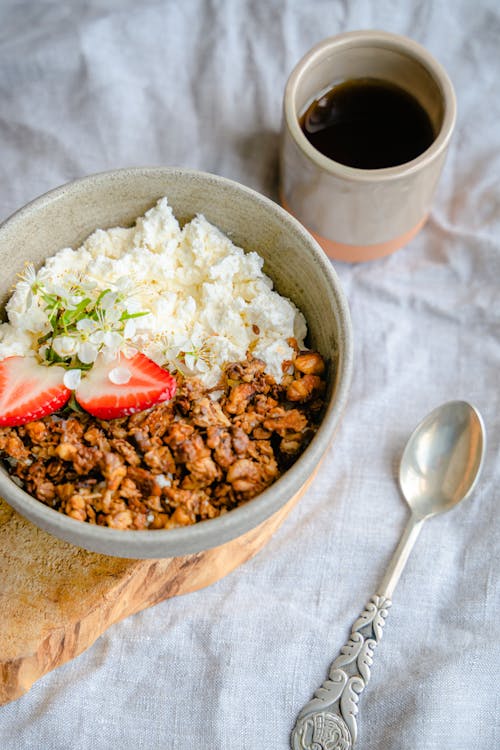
[192, 458]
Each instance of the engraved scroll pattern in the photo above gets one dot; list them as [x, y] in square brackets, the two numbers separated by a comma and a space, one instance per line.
[328, 721]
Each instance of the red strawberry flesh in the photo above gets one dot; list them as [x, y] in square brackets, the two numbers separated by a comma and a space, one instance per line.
[149, 384]
[29, 391]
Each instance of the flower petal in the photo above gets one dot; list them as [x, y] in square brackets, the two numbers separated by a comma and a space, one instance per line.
[87, 353]
[72, 379]
[119, 375]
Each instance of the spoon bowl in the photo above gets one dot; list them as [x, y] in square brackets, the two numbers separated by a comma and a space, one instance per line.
[442, 459]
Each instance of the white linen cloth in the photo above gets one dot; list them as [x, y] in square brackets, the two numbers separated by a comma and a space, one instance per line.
[89, 86]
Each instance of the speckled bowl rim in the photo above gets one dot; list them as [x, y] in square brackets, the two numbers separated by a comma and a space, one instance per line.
[213, 532]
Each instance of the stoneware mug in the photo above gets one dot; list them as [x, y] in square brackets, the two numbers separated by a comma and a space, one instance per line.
[361, 214]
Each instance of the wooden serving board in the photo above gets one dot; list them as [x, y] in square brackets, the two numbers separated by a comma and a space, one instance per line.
[57, 599]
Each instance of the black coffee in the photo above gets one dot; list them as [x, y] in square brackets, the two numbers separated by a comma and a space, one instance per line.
[368, 123]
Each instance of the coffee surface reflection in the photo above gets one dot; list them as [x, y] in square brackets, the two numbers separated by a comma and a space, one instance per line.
[368, 123]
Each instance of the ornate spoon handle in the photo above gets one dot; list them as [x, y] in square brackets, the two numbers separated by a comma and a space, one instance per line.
[328, 721]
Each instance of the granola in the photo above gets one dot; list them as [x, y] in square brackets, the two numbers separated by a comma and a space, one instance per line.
[194, 457]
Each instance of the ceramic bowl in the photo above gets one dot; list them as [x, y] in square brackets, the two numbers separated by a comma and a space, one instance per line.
[295, 262]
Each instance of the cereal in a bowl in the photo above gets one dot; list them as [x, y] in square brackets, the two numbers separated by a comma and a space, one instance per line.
[153, 377]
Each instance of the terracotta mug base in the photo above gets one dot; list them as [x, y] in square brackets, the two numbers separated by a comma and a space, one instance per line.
[360, 253]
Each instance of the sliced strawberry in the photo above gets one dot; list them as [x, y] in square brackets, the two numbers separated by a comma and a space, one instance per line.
[29, 391]
[124, 386]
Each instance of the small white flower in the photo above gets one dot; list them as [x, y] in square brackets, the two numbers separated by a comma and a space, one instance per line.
[65, 346]
[97, 337]
[90, 331]
[72, 379]
[59, 290]
[87, 325]
[112, 339]
[109, 301]
[120, 375]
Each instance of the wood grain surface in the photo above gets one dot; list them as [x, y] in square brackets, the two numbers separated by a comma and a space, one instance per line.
[57, 599]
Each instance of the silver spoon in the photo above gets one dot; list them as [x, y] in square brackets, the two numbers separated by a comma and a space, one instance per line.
[439, 468]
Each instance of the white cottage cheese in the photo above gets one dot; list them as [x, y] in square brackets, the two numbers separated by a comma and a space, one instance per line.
[187, 298]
